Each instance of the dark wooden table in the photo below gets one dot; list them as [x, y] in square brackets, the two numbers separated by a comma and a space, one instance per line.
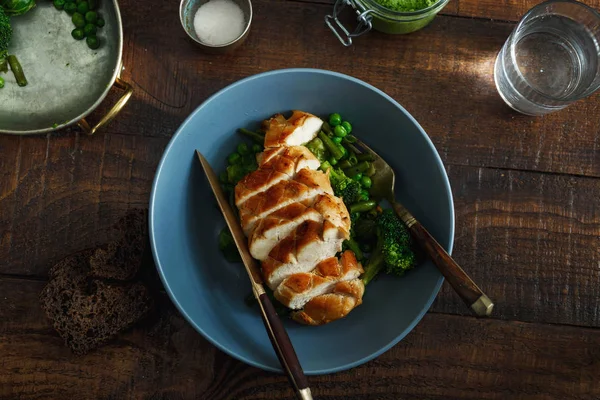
[526, 194]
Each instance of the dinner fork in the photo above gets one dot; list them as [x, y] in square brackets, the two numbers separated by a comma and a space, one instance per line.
[383, 188]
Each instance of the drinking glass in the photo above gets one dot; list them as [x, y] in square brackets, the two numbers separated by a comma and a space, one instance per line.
[551, 59]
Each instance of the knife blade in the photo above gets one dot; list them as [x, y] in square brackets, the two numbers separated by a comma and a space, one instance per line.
[277, 334]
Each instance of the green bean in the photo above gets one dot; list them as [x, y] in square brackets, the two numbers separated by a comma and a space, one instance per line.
[17, 70]
[371, 171]
[352, 244]
[360, 167]
[352, 147]
[363, 206]
[326, 128]
[345, 164]
[257, 137]
[352, 159]
[330, 145]
[1, 82]
[365, 157]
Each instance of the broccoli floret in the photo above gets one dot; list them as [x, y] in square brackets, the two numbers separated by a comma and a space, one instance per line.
[349, 190]
[317, 147]
[5, 38]
[393, 251]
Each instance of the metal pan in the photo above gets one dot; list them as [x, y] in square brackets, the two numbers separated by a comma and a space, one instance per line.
[67, 80]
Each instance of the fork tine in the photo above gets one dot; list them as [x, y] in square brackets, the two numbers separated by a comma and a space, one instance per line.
[366, 148]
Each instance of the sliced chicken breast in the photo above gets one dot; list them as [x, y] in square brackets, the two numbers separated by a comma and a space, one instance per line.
[299, 155]
[328, 307]
[298, 289]
[300, 128]
[299, 252]
[272, 229]
[257, 182]
[304, 188]
[333, 210]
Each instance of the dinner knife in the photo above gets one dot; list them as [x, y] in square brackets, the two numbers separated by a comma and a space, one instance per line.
[277, 334]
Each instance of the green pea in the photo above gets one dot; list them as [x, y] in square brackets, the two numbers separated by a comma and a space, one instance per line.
[335, 119]
[347, 126]
[337, 139]
[340, 131]
[89, 30]
[357, 177]
[91, 17]
[366, 182]
[59, 4]
[100, 22]
[70, 8]
[333, 161]
[77, 34]
[92, 42]
[93, 4]
[364, 194]
[1, 82]
[82, 8]
[78, 20]
[234, 158]
[243, 149]
[256, 148]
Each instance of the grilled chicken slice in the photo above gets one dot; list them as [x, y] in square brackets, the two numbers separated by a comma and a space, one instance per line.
[327, 209]
[299, 155]
[299, 252]
[300, 128]
[328, 307]
[272, 229]
[298, 289]
[257, 182]
[304, 188]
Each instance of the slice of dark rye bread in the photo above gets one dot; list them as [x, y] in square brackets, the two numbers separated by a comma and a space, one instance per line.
[88, 304]
[122, 258]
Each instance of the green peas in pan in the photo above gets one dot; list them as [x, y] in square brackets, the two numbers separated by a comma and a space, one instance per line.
[83, 7]
[92, 42]
[91, 17]
[77, 34]
[100, 22]
[89, 30]
[337, 139]
[59, 4]
[335, 119]
[70, 8]
[78, 20]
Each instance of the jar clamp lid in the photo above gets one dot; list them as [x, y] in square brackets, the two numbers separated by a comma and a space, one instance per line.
[337, 27]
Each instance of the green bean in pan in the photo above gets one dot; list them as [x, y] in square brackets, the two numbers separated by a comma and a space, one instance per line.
[335, 149]
[363, 206]
[327, 128]
[257, 137]
[360, 167]
[17, 70]
[345, 164]
[350, 139]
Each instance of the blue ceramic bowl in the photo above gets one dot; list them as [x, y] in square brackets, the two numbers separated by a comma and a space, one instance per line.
[185, 221]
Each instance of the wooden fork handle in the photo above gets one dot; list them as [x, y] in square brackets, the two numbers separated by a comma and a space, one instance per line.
[454, 274]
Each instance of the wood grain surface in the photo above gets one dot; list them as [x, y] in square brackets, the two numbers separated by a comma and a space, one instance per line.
[525, 189]
[445, 357]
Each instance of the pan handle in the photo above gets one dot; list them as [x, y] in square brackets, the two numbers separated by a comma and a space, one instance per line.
[120, 84]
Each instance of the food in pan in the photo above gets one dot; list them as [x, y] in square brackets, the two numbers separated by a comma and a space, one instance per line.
[302, 195]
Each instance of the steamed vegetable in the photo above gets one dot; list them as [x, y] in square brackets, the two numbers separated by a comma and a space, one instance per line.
[17, 70]
[17, 7]
[5, 38]
[393, 252]
[344, 187]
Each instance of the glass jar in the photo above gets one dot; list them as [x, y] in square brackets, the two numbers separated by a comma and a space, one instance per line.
[372, 15]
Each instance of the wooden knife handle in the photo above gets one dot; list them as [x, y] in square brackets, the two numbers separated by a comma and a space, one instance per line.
[284, 348]
[464, 286]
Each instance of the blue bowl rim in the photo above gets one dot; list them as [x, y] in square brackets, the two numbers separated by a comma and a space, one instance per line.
[449, 245]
